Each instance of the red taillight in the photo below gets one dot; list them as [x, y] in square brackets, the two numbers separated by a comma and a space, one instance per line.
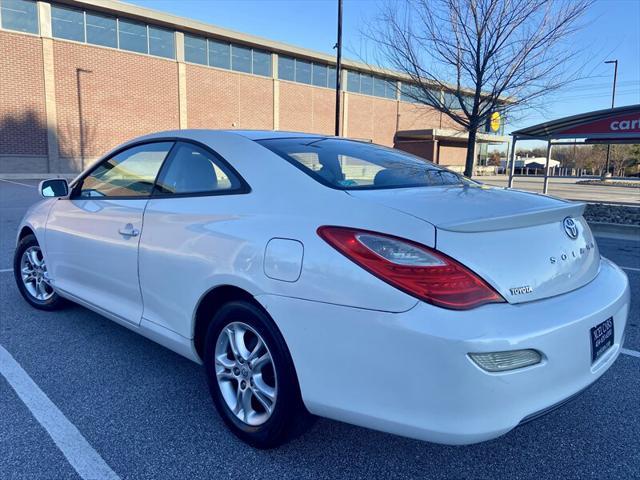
[415, 269]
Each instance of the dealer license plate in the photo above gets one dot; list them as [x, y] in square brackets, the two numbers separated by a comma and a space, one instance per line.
[601, 338]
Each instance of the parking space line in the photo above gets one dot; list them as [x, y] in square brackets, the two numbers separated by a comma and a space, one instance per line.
[79, 453]
[632, 353]
[18, 183]
[6, 270]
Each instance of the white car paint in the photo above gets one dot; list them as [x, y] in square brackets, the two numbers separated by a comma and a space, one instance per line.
[364, 351]
[89, 256]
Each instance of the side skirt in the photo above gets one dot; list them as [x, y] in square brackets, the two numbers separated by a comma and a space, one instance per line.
[154, 332]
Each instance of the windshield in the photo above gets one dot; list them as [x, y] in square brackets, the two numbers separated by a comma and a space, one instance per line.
[349, 165]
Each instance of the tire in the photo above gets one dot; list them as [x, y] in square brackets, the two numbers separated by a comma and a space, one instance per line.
[37, 292]
[255, 425]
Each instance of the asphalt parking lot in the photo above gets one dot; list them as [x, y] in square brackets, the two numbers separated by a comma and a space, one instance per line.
[145, 411]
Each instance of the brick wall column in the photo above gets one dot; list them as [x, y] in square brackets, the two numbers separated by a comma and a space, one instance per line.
[398, 87]
[53, 154]
[436, 152]
[276, 91]
[182, 82]
[344, 131]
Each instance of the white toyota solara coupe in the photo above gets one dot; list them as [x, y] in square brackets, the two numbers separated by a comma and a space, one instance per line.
[318, 275]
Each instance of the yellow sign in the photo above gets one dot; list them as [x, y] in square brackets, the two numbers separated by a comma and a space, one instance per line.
[496, 120]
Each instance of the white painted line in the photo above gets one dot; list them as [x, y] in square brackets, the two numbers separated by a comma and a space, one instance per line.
[631, 269]
[6, 270]
[18, 183]
[633, 353]
[82, 457]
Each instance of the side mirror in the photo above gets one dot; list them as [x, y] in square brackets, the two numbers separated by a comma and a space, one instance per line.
[56, 187]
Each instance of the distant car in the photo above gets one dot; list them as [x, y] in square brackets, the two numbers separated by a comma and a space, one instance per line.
[320, 275]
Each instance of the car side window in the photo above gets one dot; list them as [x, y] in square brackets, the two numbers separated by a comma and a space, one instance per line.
[130, 173]
[193, 170]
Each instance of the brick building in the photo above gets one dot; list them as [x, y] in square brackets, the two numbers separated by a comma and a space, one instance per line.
[79, 77]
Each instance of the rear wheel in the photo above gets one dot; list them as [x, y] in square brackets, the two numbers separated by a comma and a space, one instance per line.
[252, 378]
[32, 277]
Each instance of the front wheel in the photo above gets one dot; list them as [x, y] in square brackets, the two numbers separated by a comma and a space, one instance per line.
[32, 277]
[252, 378]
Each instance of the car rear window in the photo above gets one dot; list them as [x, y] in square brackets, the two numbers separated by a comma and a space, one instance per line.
[350, 165]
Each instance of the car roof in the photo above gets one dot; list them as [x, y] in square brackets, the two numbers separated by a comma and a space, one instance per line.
[271, 134]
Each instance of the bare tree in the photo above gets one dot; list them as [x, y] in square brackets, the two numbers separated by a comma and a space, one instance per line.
[470, 58]
[623, 158]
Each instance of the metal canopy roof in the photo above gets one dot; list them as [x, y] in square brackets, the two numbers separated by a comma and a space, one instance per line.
[613, 124]
[449, 134]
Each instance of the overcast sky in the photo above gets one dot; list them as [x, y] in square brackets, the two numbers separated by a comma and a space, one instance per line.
[612, 32]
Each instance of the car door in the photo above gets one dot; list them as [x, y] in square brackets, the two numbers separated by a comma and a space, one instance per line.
[92, 237]
[190, 233]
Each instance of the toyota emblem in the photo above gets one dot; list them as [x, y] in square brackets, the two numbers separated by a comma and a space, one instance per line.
[570, 228]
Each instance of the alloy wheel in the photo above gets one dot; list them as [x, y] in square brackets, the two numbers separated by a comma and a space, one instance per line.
[245, 373]
[33, 271]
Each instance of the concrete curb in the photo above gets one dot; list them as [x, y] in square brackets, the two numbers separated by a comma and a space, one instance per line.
[615, 183]
[616, 230]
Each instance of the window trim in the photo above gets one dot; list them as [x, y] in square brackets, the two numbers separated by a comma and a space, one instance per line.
[242, 189]
[77, 183]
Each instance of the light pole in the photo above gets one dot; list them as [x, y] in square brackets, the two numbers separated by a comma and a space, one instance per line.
[613, 102]
[338, 47]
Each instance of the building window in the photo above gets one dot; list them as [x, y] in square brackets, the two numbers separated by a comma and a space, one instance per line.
[451, 100]
[331, 77]
[384, 88]
[240, 59]
[286, 68]
[303, 71]
[67, 23]
[106, 31]
[379, 87]
[408, 93]
[133, 36]
[161, 42]
[468, 101]
[261, 63]
[195, 49]
[366, 84]
[230, 56]
[371, 85]
[219, 54]
[353, 81]
[319, 77]
[391, 89]
[414, 94]
[101, 30]
[19, 15]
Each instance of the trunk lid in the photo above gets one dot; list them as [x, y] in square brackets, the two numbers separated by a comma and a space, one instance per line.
[519, 242]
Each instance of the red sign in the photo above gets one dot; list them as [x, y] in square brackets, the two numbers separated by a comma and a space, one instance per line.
[615, 125]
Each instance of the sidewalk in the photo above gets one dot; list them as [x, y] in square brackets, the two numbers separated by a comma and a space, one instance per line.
[566, 187]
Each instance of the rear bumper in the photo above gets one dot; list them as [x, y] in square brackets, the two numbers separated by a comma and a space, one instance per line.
[408, 373]
[555, 406]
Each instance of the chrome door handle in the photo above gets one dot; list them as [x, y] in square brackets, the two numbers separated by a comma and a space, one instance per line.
[129, 231]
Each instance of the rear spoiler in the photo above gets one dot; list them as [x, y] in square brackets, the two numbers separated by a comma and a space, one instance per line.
[517, 220]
